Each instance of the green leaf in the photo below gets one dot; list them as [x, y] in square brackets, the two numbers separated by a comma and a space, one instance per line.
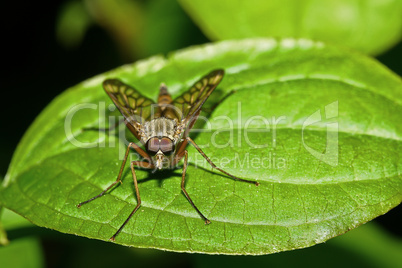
[13, 221]
[318, 179]
[30, 247]
[3, 236]
[371, 26]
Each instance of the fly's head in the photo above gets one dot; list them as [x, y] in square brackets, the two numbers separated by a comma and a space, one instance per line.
[160, 149]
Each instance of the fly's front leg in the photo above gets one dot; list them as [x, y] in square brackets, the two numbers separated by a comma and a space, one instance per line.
[143, 164]
[185, 192]
[131, 145]
[137, 192]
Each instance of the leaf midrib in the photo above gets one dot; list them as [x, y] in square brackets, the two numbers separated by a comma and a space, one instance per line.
[287, 128]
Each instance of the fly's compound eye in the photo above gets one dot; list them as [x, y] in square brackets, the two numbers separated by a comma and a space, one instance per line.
[152, 146]
[166, 145]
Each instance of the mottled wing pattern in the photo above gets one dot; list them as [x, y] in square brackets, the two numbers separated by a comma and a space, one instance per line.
[132, 105]
[191, 101]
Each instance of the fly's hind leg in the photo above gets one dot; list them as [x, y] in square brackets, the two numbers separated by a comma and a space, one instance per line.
[183, 178]
[215, 167]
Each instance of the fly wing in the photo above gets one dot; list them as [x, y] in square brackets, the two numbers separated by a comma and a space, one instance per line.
[191, 101]
[133, 106]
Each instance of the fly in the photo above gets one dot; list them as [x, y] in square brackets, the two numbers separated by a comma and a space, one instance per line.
[162, 128]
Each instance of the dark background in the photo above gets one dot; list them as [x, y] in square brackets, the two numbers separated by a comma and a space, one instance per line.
[36, 68]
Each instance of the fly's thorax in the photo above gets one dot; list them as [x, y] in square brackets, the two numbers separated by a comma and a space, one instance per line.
[159, 127]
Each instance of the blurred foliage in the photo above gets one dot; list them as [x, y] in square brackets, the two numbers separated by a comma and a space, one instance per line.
[29, 244]
[371, 26]
[72, 24]
[139, 28]
[29, 247]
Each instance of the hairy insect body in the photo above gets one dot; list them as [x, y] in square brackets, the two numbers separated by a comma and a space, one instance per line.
[160, 127]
